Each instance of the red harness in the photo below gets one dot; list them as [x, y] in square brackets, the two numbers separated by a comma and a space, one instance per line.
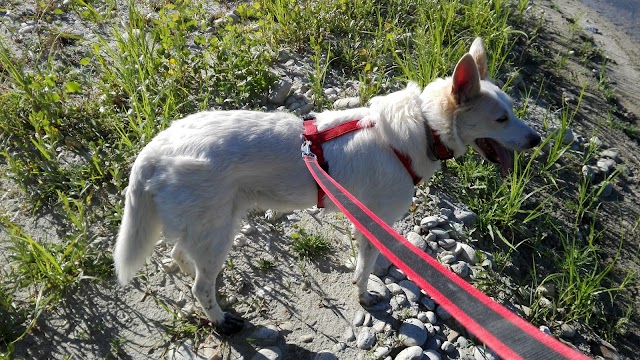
[317, 138]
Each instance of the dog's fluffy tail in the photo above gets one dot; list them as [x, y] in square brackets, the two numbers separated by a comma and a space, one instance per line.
[140, 228]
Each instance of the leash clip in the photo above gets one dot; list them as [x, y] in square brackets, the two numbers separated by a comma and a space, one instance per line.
[306, 149]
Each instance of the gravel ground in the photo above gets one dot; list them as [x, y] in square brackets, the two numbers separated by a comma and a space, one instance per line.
[299, 309]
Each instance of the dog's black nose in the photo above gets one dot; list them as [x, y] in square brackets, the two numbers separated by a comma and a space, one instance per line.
[534, 140]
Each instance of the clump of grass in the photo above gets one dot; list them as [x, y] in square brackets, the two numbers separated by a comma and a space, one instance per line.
[309, 245]
[266, 264]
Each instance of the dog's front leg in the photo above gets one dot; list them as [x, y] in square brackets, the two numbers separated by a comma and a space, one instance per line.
[367, 255]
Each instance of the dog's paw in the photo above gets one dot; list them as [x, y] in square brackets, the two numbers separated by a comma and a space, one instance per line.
[369, 298]
[232, 324]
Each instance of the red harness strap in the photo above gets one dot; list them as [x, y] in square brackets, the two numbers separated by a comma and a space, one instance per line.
[317, 138]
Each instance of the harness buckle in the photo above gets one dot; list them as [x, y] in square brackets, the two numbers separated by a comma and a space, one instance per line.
[306, 149]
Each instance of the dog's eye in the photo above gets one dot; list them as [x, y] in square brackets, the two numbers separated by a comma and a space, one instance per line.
[503, 119]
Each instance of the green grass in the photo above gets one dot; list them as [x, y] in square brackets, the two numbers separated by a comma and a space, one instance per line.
[309, 245]
[72, 123]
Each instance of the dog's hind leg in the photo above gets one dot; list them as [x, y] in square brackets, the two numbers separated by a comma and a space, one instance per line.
[209, 253]
[367, 255]
[182, 259]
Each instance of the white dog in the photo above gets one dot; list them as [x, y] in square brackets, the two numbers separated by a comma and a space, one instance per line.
[196, 179]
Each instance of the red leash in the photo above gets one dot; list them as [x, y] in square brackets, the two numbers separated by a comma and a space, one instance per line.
[510, 336]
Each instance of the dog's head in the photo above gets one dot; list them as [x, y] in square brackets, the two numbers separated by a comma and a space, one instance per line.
[480, 114]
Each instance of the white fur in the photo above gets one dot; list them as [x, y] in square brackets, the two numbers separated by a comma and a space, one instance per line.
[196, 179]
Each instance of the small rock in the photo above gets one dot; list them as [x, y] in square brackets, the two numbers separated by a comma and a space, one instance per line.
[368, 320]
[611, 153]
[606, 350]
[430, 222]
[431, 317]
[489, 264]
[346, 103]
[283, 56]
[545, 329]
[410, 353]
[431, 355]
[589, 172]
[339, 347]
[446, 257]
[376, 286]
[412, 333]
[466, 253]
[293, 218]
[26, 29]
[442, 313]
[416, 240]
[447, 243]
[239, 240]
[568, 137]
[291, 100]
[447, 347]
[545, 303]
[325, 355]
[330, 91]
[411, 290]
[441, 233]
[399, 302]
[187, 310]
[468, 218]
[395, 289]
[462, 342]
[606, 165]
[280, 92]
[348, 334]
[461, 268]
[547, 289]
[304, 109]
[428, 303]
[433, 343]
[396, 273]
[430, 237]
[431, 329]
[592, 29]
[313, 210]
[381, 326]
[169, 265]
[452, 336]
[381, 351]
[263, 292]
[366, 338]
[446, 213]
[268, 353]
[422, 316]
[567, 331]
[524, 310]
[358, 319]
[248, 229]
[306, 338]
[272, 216]
[265, 334]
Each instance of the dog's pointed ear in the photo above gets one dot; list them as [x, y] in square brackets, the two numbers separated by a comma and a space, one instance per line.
[479, 54]
[466, 79]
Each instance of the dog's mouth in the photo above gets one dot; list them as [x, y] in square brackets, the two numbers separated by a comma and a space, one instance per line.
[497, 154]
